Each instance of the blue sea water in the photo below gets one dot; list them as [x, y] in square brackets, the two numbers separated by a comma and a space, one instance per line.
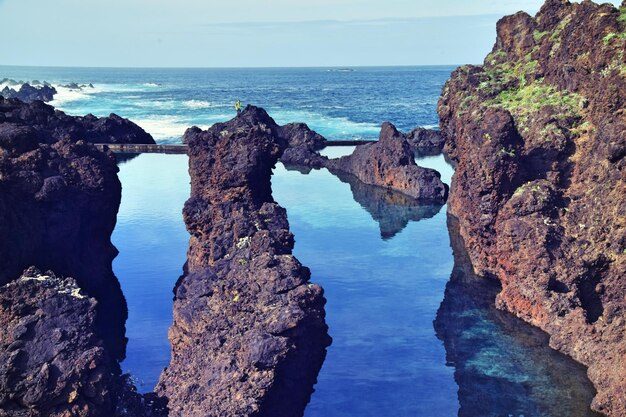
[414, 332]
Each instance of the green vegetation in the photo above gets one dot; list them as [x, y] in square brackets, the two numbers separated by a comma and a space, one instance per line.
[537, 36]
[243, 262]
[531, 98]
[613, 35]
[622, 15]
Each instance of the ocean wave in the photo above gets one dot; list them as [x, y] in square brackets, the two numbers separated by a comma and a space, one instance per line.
[167, 129]
[66, 95]
[201, 104]
[152, 84]
[329, 126]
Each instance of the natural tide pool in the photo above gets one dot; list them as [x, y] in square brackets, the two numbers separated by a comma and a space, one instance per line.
[414, 332]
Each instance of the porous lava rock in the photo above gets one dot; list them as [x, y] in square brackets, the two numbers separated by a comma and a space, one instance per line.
[538, 133]
[249, 334]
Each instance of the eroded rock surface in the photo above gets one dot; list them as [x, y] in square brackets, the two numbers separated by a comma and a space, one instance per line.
[425, 141]
[390, 163]
[58, 208]
[249, 334]
[539, 135]
[42, 123]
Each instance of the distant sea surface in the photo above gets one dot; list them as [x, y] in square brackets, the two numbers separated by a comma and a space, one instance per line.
[414, 332]
[338, 103]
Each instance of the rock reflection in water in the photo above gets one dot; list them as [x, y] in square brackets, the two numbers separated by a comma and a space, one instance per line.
[390, 209]
[503, 366]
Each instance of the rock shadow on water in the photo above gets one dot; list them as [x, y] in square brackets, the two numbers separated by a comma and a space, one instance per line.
[503, 366]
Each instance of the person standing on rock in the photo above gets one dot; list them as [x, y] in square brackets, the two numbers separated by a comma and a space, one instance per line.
[238, 106]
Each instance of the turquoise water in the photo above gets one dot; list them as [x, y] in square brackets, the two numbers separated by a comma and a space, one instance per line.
[414, 332]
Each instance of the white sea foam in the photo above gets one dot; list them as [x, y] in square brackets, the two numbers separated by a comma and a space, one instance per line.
[66, 95]
[200, 104]
[331, 127]
[152, 84]
[166, 128]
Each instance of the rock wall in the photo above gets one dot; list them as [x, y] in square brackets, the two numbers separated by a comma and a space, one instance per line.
[539, 136]
[249, 335]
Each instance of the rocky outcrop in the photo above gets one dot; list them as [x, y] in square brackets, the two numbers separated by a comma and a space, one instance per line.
[52, 362]
[41, 122]
[28, 93]
[425, 141]
[390, 209]
[539, 136]
[58, 207]
[390, 163]
[303, 145]
[249, 334]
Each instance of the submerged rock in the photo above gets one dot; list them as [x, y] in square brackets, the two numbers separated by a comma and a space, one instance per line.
[390, 163]
[249, 334]
[539, 136]
[514, 371]
[47, 125]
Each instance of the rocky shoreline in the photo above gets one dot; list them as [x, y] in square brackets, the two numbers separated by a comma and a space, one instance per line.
[538, 134]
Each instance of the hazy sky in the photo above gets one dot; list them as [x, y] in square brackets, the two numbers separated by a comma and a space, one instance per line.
[234, 33]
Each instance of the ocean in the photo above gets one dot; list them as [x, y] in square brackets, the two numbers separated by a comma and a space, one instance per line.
[414, 332]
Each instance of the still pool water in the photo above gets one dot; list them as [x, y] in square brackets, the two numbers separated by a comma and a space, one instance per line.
[414, 333]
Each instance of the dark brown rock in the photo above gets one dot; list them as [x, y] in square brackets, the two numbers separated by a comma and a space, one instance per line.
[58, 207]
[390, 163]
[425, 141]
[29, 93]
[249, 335]
[50, 125]
[539, 136]
[52, 362]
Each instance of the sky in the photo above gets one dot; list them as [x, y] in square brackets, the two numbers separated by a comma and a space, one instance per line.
[250, 33]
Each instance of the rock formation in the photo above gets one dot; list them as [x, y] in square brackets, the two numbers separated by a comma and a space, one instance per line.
[48, 125]
[390, 163]
[58, 207]
[425, 141]
[539, 136]
[303, 145]
[249, 334]
[52, 360]
[28, 93]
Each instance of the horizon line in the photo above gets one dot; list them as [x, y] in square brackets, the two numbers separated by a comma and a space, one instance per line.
[234, 67]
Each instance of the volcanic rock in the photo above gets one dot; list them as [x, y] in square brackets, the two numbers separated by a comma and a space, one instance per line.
[58, 207]
[49, 125]
[249, 334]
[539, 136]
[28, 93]
[390, 163]
[425, 141]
